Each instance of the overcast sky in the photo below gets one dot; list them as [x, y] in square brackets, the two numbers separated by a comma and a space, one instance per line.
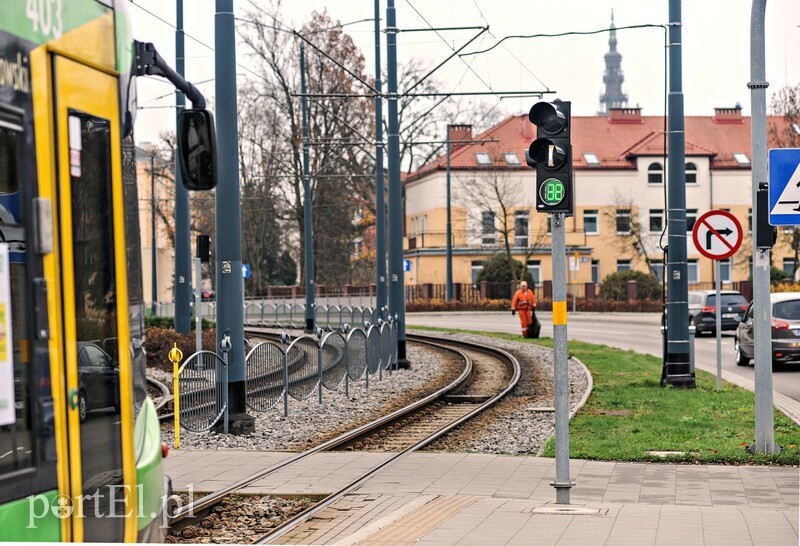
[716, 44]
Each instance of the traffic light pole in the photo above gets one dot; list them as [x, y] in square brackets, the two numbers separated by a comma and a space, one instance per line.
[560, 359]
[764, 420]
[551, 155]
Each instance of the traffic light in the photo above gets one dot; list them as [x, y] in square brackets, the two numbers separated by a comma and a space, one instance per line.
[766, 235]
[551, 155]
[204, 248]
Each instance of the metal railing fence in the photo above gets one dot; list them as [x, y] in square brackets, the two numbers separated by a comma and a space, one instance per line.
[298, 368]
[202, 392]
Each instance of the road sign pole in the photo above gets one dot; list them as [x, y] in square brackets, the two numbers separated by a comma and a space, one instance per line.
[719, 326]
[762, 351]
[717, 235]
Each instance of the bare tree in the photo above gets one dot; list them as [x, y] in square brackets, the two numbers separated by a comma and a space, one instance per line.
[493, 197]
[627, 233]
[339, 128]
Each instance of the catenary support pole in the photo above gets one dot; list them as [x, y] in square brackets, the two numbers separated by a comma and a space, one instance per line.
[397, 303]
[765, 426]
[153, 252]
[676, 368]
[380, 198]
[560, 362]
[183, 245]
[449, 231]
[230, 284]
[308, 237]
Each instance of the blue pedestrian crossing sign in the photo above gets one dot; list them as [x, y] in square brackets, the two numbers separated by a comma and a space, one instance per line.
[246, 271]
[406, 265]
[784, 187]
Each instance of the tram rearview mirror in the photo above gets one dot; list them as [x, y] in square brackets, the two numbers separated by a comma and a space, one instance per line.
[197, 149]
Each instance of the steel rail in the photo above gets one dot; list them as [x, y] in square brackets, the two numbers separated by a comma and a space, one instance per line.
[164, 395]
[213, 498]
[294, 522]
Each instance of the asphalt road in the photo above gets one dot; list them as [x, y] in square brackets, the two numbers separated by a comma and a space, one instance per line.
[639, 332]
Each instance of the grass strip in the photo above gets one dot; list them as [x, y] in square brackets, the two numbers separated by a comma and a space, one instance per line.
[630, 415]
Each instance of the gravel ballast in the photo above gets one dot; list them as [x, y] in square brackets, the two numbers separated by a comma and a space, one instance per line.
[518, 425]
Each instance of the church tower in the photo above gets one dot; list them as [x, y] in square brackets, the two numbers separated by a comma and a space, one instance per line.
[613, 78]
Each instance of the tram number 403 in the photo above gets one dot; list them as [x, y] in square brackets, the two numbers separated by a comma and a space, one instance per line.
[45, 17]
[552, 191]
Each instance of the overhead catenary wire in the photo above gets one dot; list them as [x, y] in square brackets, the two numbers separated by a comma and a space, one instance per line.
[558, 35]
[197, 40]
[522, 64]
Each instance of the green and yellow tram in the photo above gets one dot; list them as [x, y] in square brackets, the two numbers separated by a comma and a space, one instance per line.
[80, 445]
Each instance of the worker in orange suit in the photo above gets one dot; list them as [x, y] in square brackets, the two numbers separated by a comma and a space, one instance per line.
[525, 302]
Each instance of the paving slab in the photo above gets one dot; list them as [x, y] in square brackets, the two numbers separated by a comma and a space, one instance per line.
[439, 499]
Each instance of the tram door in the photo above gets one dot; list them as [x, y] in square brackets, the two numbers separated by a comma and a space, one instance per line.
[91, 263]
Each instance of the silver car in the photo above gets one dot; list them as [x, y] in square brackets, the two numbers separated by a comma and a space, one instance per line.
[785, 323]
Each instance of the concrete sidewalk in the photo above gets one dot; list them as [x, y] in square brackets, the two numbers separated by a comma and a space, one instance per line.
[446, 498]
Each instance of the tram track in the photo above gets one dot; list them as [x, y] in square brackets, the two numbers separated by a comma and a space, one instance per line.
[488, 375]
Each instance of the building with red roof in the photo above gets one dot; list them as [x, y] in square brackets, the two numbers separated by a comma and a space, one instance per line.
[619, 162]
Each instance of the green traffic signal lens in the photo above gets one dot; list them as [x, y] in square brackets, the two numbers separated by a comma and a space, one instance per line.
[552, 192]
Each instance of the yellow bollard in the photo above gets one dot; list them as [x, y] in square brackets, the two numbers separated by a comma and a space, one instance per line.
[176, 355]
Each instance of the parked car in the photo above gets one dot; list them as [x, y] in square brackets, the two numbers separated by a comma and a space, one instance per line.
[703, 310]
[98, 380]
[785, 318]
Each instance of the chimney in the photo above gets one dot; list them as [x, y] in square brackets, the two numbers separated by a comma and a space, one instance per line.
[625, 115]
[729, 115]
[459, 133]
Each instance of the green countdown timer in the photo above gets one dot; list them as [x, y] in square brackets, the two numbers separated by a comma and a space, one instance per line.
[552, 191]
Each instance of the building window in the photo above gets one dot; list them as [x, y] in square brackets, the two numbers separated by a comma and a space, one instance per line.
[655, 173]
[691, 173]
[657, 269]
[596, 271]
[624, 221]
[521, 228]
[483, 158]
[591, 158]
[692, 271]
[477, 267]
[788, 265]
[691, 218]
[512, 158]
[487, 227]
[741, 158]
[623, 265]
[590, 225]
[549, 224]
[656, 220]
[750, 220]
[535, 270]
[725, 268]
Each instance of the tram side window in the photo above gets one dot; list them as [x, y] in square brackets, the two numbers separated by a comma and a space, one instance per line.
[16, 438]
